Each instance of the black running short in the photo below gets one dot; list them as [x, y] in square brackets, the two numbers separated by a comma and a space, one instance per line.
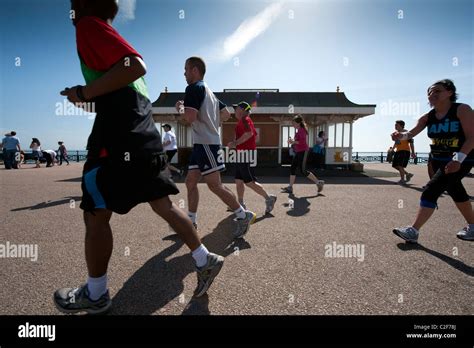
[244, 172]
[401, 159]
[120, 187]
[170, 154]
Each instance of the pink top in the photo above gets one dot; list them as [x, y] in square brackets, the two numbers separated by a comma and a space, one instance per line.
[300, 137]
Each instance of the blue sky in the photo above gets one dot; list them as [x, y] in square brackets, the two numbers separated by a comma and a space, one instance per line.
[362, 46]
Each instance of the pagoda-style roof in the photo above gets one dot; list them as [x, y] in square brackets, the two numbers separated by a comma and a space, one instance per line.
[275, 99]
[276, 102]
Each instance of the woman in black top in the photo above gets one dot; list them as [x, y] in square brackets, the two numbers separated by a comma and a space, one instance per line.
[451, 128]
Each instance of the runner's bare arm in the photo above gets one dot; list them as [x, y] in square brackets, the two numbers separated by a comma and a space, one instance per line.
[246, 136]
[421, 124]
[412, 147]
[120, 75]
[190, 115]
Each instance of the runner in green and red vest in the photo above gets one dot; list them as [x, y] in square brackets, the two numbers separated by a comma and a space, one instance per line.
[125, 159]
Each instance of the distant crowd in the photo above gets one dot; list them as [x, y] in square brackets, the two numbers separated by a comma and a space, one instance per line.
[14, 156]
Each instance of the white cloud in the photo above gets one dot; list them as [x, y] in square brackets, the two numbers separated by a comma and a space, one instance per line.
[248, 30]
[127, 10]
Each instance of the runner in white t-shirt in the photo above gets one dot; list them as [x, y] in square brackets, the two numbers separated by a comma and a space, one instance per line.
[170, 147]
[205, 113]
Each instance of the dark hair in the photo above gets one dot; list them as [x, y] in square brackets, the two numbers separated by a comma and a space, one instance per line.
[13, 133]
[320, 133]
[197, 62]
[35, 140]
[104, 9]
[449, 85]
[298, 119]
[401, 123]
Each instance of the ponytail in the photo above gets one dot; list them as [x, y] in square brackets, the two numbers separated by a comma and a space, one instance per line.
[298, 119]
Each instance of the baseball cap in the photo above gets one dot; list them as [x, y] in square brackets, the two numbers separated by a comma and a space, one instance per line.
[244, 105]
[166, 125]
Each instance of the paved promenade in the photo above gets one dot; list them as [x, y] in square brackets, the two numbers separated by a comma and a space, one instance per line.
[288, 263]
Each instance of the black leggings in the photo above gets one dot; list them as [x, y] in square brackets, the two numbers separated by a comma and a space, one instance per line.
[445, 182]
[299, 161]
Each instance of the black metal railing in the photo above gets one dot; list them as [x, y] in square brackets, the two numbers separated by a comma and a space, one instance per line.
[381, 157]
[266, 156]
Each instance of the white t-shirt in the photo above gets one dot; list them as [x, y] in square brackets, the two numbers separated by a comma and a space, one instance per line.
[205, 129]
[51, 152]
[321, 141]
[170, 136]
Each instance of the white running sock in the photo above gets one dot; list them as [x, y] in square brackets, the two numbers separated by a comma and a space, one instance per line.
[200, 255]
[192, 216]
[97, 287]
[240, 213]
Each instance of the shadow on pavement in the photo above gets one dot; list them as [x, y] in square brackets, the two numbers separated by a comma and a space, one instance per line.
[79, 179]
[340, 180]
[420, 189]
[197, 306]
[155, 284]
[300, 204]
[160, 280]
[459, 265]
[43, 205]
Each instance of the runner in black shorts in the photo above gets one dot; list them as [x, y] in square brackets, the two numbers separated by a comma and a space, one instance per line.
[245, 143]
[124, 156]
[451, 129]
[402, 154]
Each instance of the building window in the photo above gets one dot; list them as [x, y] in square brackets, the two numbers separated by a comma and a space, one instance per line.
[339, 135]
[347, 134]
[287, 132]
[331, 135]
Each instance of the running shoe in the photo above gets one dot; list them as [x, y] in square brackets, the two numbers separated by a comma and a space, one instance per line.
[270, 203]
[288, 189]
[243, 225]
[320, 185]
[409, 176]
[75, 300]
[409, 234]
[207, 273]
[466, 234]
